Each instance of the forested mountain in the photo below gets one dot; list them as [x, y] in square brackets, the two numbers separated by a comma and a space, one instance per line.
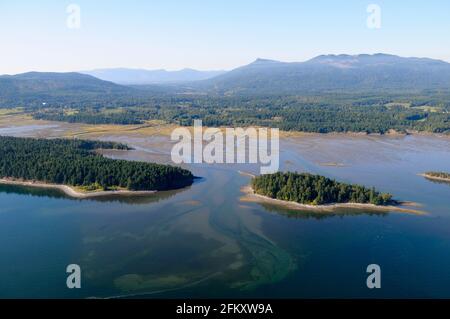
[347, 73]
[315, 190]
[45, 82]
[74, 162]
[142, 77]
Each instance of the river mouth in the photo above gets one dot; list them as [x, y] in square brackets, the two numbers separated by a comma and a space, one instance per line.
[204, 242]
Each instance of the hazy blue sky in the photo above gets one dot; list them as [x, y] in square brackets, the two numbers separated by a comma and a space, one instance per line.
[211, 34]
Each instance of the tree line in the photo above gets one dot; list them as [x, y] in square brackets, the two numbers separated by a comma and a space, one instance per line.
[322, 114]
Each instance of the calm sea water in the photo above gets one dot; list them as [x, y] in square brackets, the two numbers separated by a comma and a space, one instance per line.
[204, 242]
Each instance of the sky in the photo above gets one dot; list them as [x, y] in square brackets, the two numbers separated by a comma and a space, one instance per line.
[44, 35]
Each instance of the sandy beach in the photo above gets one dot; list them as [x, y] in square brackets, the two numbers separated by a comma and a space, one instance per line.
[70, 191]
[250, 196]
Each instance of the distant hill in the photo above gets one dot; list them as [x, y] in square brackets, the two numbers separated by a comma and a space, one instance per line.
[45, 82]
[43, 86]
[333, 73]
[143, 77]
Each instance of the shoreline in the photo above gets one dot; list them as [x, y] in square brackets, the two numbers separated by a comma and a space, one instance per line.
[251, 196]
[70, 191]
[437, 178]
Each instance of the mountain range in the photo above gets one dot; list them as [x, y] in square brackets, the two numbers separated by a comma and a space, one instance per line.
[142, 77]
[325, 73]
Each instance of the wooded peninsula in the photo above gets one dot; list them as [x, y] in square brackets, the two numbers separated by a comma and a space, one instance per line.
[76, 163]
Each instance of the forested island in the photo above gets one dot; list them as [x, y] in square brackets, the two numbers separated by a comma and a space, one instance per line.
[76, 163]
[308, 189]
[442, 176]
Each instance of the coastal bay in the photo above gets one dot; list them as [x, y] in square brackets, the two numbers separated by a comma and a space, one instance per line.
[205, 240]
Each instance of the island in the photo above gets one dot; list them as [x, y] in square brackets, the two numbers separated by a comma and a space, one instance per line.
[438, 176]
[75, 167]
[311, 189]
[319, 193]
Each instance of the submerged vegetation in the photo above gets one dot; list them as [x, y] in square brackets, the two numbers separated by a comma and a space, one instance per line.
[310, 189]
[75, 163]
